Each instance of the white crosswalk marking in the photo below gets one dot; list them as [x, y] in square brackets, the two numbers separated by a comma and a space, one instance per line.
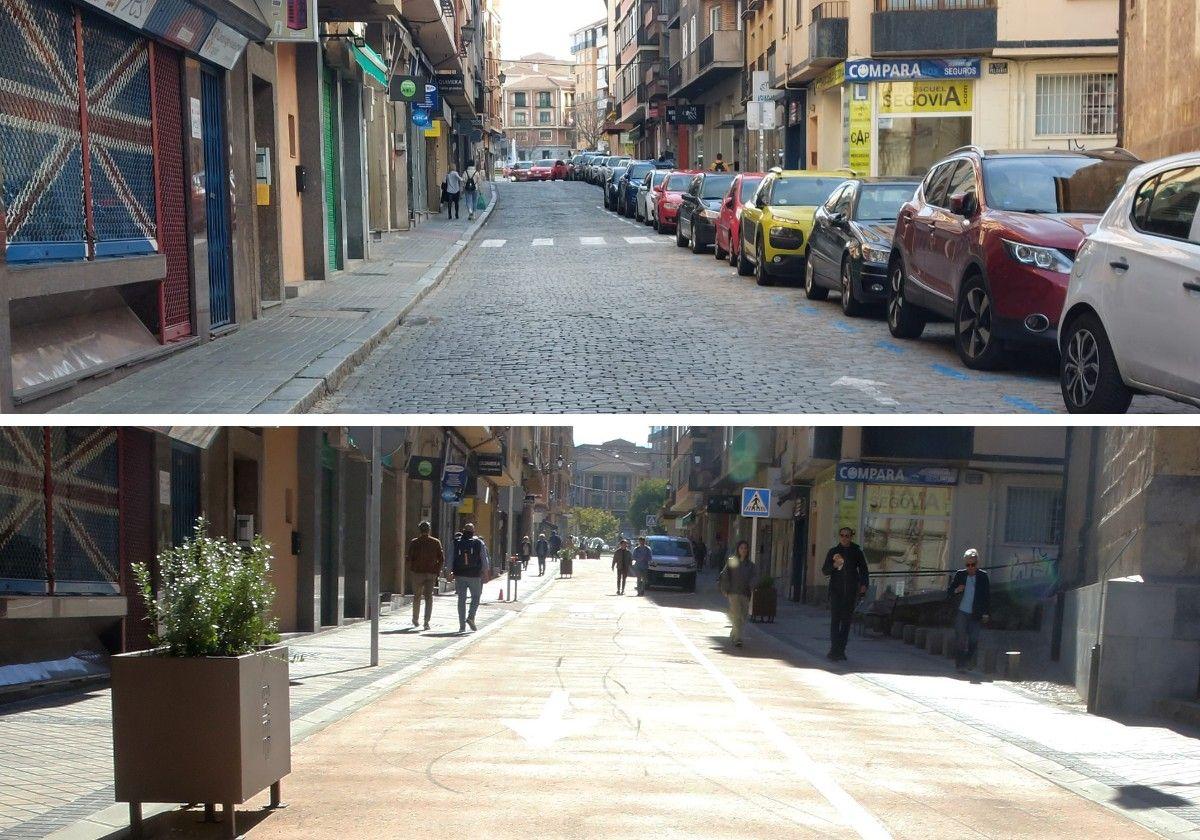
[591, 240]
[638, 240]
[542, 243]
[492, 243]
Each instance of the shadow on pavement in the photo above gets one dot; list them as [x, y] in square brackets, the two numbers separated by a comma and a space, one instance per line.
[189, 822]
[1141, 797]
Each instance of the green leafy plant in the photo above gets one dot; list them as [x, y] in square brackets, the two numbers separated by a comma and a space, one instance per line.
[213, 596]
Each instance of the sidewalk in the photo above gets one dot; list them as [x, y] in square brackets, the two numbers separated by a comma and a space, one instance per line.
[291, 356]
[1143, 769]
[56, 751]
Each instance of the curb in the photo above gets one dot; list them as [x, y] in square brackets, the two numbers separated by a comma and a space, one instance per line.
[326, 373]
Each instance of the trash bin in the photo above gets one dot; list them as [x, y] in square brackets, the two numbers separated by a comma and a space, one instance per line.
[566, 567]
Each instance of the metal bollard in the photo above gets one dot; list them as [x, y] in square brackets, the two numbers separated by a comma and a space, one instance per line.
[934, 641]
[909, 633]
[921, 637]
[990, 658]
[1012, 665]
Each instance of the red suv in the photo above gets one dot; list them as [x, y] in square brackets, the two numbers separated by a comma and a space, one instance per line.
[988, 242]
[669, 197]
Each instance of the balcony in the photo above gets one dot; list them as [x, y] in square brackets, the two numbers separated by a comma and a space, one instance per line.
[914, 27]
[438, 37]
[650, 18]
[670, 11]
[719, 57]
[674, 76]
[828, 32]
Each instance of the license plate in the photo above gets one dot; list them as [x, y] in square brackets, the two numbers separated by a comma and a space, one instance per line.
[669, 575]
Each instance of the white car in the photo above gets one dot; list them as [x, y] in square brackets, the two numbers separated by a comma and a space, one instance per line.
[1133, 302]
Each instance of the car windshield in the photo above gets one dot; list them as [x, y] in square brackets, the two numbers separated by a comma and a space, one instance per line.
[543, 162]
[615, 161]
[883, 201]
[678, 183]
[525, 164]
[657, 177]
[639, 170]
[1053, 184]
[617, 173]
[802, 192]
[715, 186]
[749, 185]
[669, 547]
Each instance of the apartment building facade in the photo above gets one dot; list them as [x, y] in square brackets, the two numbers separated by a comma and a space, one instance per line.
[706, 81]
[539, 107]
[606, 474]
[589, 47]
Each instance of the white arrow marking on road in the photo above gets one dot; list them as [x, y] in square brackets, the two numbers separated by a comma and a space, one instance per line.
[541, 243]
[591, 240]
[638, 240]
[868, 386]
[551, 726]
[492, 243]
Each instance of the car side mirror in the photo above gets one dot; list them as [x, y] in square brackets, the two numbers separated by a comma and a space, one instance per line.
[729, 203]
[760, 202]
[962, 204]
[838, 219]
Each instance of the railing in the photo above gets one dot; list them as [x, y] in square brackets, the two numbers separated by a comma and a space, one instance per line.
[675, 76]
[649, 14]
[830, 9]
[931, 5]
[670, 8]
[719, 46]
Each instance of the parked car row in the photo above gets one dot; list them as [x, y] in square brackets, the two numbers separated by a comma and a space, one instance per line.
[1087, 253]
[546, 169]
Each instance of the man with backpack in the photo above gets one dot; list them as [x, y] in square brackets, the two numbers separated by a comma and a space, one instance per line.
[470, 562]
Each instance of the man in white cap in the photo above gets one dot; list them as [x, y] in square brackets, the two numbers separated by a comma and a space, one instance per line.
[974, 592]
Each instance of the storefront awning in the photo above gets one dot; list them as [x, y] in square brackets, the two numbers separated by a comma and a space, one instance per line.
[371, 62]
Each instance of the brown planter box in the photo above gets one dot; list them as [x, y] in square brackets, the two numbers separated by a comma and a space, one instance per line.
[763, 604]
[211, 730]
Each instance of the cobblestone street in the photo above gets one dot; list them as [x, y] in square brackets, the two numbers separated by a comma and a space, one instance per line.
[561, 306]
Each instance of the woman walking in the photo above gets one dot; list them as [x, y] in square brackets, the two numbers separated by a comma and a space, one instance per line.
[452, 190]
[623, 563]
[471, 190]
[526, 550]
[736, 580]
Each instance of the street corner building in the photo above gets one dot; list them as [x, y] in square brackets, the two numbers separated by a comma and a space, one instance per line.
[173, 169]
[80, 506]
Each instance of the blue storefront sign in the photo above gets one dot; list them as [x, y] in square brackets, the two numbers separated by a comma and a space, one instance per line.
[853, 471]
[422, 117]
[454, 483]
[911, 69]
[432, 99]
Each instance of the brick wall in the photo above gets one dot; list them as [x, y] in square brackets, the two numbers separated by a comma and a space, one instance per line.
[1161, 84]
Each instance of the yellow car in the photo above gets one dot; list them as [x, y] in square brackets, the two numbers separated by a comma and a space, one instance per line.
[777, 222]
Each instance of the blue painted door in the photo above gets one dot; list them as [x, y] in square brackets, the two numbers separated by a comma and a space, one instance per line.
[216, 188]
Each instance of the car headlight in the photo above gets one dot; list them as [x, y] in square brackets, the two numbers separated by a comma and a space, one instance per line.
[671, 205]
[1048, 259]
[877, 255]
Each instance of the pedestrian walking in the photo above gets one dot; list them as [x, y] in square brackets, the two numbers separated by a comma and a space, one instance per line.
[526, 550]
[718, 553]
[623, 563]
[973, 589]
[471, 190]
[641, 564]
[543, 548]
[701, 552]
[846, 567]
[719, 164]
[736, 580]
[452, 186]
[425, 559]
[556, 542]
[470, 559]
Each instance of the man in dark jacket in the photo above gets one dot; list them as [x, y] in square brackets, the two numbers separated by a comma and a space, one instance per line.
[470, 558]
[971, 586]
[846, 567]
[543, 548]
[425, 561]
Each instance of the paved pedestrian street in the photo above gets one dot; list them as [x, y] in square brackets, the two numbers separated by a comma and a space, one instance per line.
[584, 714]
[562, 306]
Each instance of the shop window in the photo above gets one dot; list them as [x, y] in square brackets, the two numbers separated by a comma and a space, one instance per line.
[1033, 516]
[906, 536]
[911, 145]
[1076, 104]
[74, 188]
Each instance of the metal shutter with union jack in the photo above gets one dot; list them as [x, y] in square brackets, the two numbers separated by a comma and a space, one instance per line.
[76, 137]
[60, 524]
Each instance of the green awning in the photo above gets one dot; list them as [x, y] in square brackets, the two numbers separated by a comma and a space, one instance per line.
[371, 62]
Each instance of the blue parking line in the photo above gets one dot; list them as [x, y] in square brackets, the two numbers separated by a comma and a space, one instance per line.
[891, 347]
[1027, 405]
[846, 328]
[809, 309]
[953, 373]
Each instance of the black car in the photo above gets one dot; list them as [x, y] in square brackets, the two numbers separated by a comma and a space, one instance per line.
[628, 187]
[612, 185]
[697, 222]
[851, 241]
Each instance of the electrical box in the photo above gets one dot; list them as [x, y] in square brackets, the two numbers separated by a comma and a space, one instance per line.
[301, 178]
[244, 529]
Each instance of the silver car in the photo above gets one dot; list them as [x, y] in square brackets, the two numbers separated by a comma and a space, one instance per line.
[671, 563]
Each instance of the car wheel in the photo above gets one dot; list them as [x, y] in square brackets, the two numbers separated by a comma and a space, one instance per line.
[733, 256]
[744, 267]
[658, 228]
[851, 308]
[697, 246]
[974, 329]
[811, 290]
[904, 319]
[1088, 374]
[718, 252]
[680, 241]
[761, 275]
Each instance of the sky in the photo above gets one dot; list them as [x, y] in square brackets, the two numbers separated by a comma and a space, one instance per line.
[599, 431]
[529, 26]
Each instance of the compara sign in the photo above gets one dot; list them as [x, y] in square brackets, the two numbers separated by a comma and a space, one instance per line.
[852, 471]
[910, 69]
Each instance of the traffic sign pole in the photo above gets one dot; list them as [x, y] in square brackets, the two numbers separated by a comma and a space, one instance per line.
[753, 539]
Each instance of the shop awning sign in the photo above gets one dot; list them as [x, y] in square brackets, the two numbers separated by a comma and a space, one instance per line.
[722, 503]
[911, 69]
[490, 463]
[756, 502]
[856, 471]
[454, 482]
[191, 26]
[423, 467]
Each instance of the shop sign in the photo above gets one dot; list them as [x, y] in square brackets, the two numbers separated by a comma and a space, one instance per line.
[908, 500]
[491, 463]
[724, 503]
[450, 82]
[223, 46]
[860, 135]
[834, 77]
[467, 506]
[924, 97]
[454, 482]
[434, 129]
[410, 89]
[900, 70]
[423, 467]
[291, 21]
[895, 473]
[685, 114]
[422, 117]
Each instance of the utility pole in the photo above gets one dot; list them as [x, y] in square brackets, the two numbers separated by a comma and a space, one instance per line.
[373, 525]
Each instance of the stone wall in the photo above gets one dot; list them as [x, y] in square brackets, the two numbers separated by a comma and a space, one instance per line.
[1161, 95]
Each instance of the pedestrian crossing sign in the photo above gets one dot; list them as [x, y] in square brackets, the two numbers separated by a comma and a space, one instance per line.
[756, 501]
